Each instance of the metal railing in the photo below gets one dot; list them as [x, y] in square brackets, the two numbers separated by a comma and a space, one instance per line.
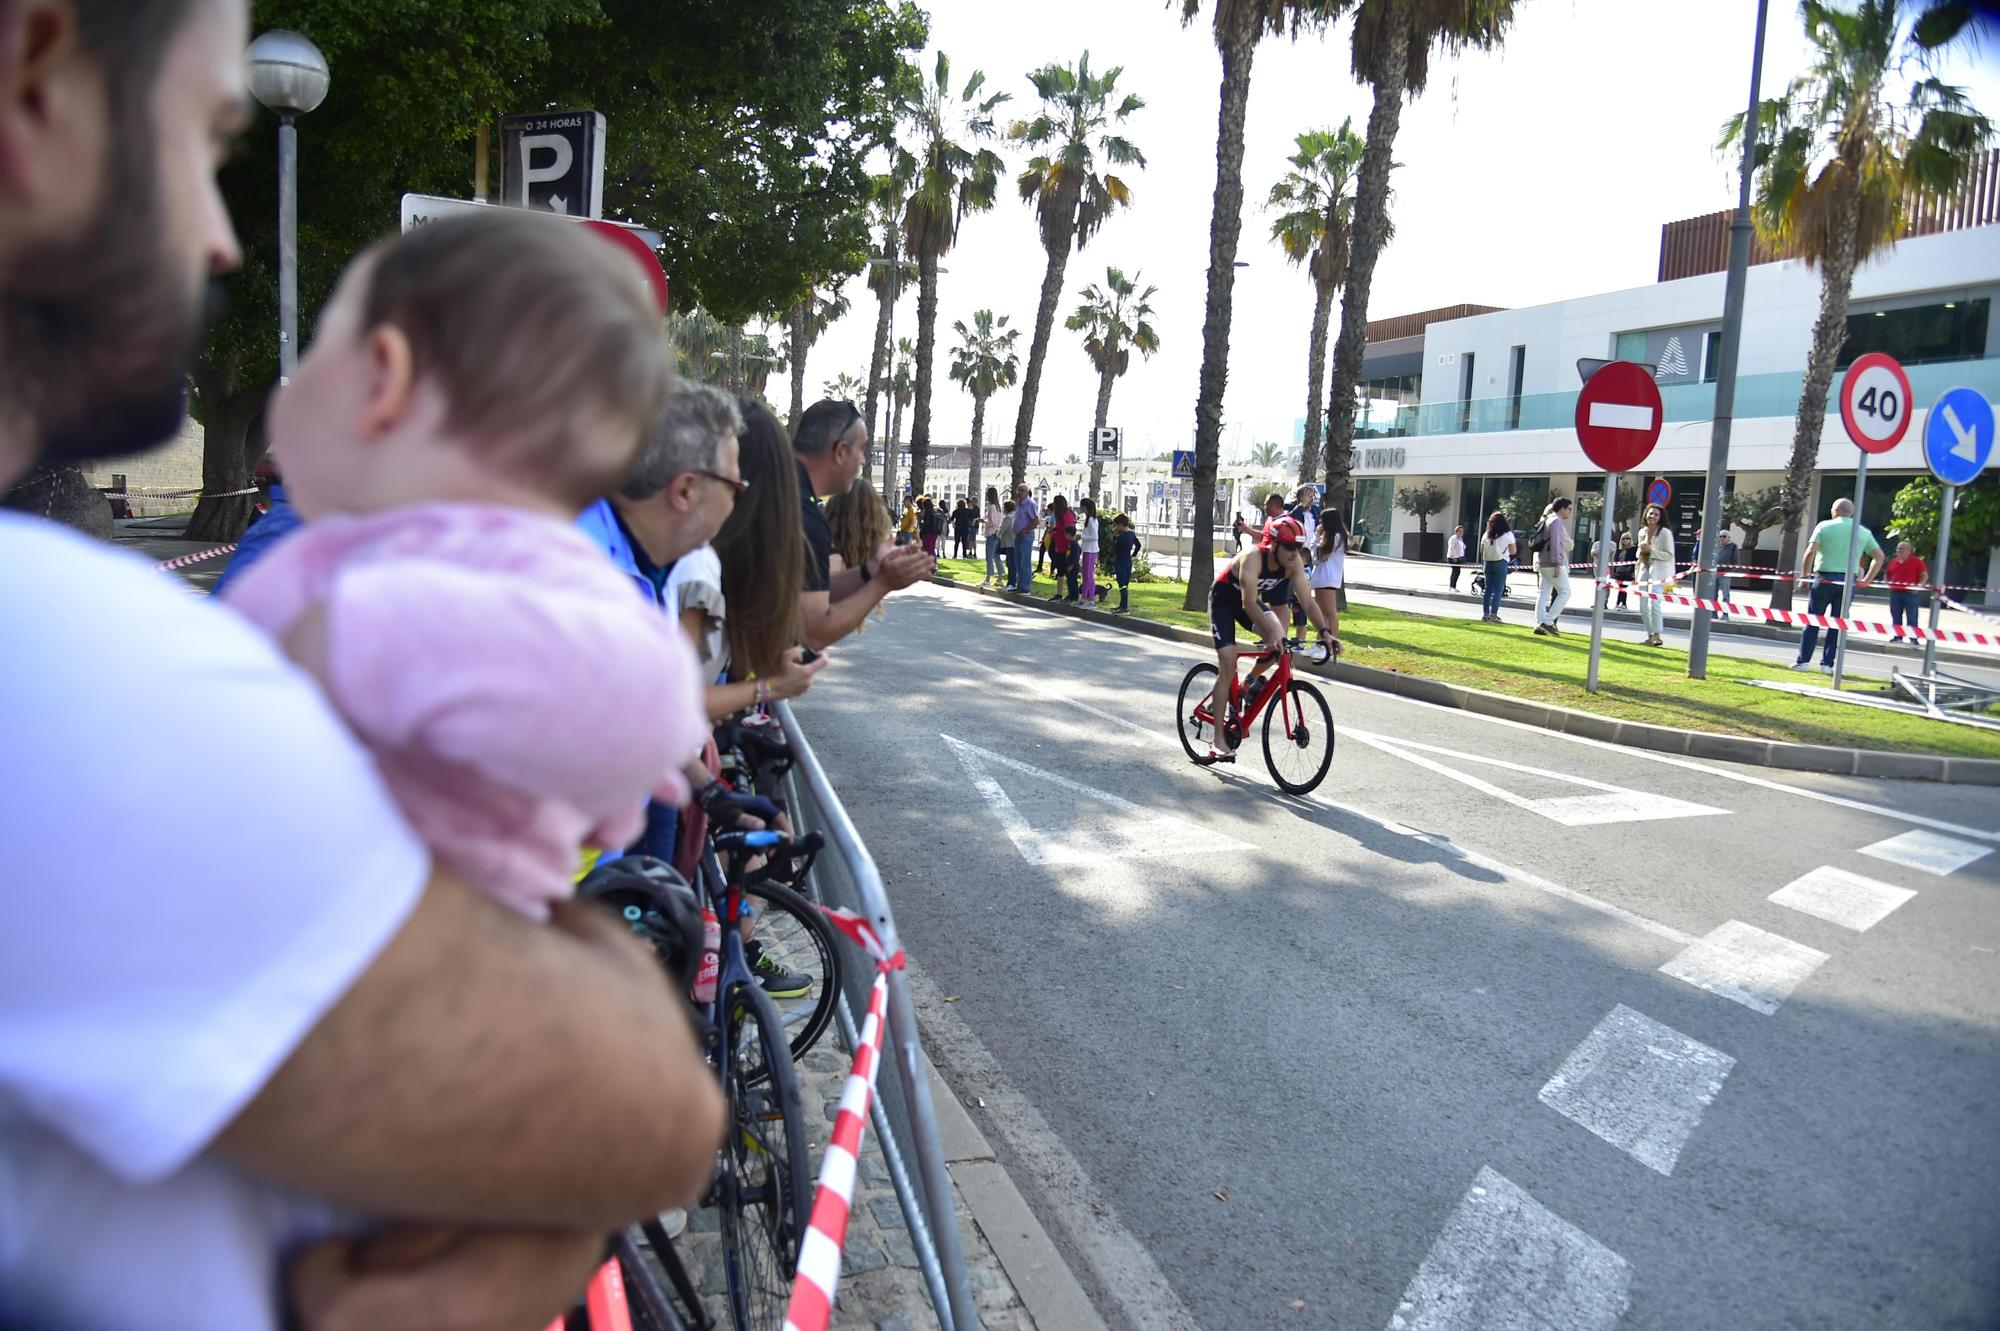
[903, 1118]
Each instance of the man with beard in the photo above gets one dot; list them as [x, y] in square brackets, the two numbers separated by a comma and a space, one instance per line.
[229, 971]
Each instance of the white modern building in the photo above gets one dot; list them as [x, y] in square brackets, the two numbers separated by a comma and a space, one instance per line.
[1482, 404]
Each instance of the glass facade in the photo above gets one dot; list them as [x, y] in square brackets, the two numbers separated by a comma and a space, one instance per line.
[1951, 330]
[1373, 496]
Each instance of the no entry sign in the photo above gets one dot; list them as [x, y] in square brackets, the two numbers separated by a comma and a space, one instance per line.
[1875, 402]
[1618, 416]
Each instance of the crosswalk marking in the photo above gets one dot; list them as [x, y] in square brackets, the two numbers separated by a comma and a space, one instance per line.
[1746, 965]
[1842, 898]
[1505, 1262]
[1638, 1084]
[1927, 851]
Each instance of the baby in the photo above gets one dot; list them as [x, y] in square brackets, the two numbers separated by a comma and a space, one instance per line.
[472, 385]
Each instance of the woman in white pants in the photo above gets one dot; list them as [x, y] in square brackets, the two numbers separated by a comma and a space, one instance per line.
[1655, 570]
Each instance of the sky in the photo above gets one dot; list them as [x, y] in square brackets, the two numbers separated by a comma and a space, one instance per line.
[1530, 174]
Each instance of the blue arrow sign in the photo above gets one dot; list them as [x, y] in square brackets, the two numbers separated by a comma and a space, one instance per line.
[1184, 462]
[1958, 435]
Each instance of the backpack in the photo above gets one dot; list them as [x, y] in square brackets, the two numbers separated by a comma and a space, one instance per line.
[1540, 540]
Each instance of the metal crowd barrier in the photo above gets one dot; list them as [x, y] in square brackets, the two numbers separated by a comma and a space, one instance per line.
[902, 1117]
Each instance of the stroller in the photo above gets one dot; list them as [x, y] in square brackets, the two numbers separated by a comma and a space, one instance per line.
[1479, 583]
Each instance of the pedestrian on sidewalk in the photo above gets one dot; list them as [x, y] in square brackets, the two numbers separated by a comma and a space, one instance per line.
[1826, 557]
[930, 524]
[1551, 553]
[1062, 549]
[1086, 543]
[1726, 556]
[1454, 550]
[990, 527]
[1124, 549]
[1907, 576]
[1009, 580]
[906, 531]
[1655, 570]
[1328, 572]
[1027, 523]
[1241, 531]
[1624, 563]
[1496, 548]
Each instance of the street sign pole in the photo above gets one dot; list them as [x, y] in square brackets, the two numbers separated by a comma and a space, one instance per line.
[1937, 577]
[1603, 593]
[1853, 568]
[1725, 378]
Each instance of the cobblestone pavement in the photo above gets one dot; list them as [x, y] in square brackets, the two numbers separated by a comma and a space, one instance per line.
[881, 1286]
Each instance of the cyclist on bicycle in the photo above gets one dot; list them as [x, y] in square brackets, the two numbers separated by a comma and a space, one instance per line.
[1273, 573]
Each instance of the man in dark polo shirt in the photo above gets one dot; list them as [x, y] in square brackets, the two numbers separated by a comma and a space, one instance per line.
[831, 443]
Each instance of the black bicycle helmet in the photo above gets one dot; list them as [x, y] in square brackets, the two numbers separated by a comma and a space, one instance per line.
[657, 905]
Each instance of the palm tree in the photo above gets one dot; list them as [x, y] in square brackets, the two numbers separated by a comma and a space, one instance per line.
[1072, 197]
[1317, 195]
[983, 363]
[888, 273]
[1391, 53]
[807, 319]
[1268, 455]
[951, 179]
[902, 387]
[1238, 26]
[1843, 156]
[843, 387]
[1113, 319]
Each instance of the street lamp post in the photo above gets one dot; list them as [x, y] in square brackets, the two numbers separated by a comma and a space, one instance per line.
[289, 75]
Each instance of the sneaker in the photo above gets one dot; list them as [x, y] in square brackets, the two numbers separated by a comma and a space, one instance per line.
[1542, 630]
[674, 1222]
[1801, 665]
[1826, 668]
[1554, 632]
[777, 981]
[1216, 756]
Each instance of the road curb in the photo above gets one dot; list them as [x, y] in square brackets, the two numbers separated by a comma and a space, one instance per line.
[1831, 760]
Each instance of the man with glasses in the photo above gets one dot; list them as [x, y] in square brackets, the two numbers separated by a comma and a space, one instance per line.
[831, 444]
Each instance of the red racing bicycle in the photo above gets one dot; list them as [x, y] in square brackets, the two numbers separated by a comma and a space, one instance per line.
[1298, 730]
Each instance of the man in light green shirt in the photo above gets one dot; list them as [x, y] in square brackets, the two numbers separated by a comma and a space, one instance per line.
[1825, 563]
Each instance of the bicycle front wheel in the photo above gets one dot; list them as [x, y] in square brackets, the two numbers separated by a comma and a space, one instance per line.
[765, 1190]
[797, 937]
[1298, 738]
[1196, 734]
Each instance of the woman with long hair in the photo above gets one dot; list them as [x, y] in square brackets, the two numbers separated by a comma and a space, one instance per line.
[990, 526]
[1496, 552]
[858, 521]
[1656, 570]
[1328, 570]
[1086, 542]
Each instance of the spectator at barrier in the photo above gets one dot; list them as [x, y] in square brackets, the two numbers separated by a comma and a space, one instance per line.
[858, 522]
[1551, 555]
[930, 524]
[1304, 510]
[1328, 572]
[906, 530]
[1241, 531]
[1454, 551]
[1496, 549]
[831, 442]
[295, 1002]
[1011, 581]
[1027, 525]
[1907, 575]
[1062, 548]
[1655, 569]
[1825, 560]
[1124, 551]
[1087, 535]
[1274, 506]
[1726, 555]
[964, 522]
[991, 529]
[1623, 564]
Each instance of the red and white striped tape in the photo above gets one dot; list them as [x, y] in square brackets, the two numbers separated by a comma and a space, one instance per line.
[182, 561]
[1797, 618]
[177, 494]
[811, 1306]
[861, 933]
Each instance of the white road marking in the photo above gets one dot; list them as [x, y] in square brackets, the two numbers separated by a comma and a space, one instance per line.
[1639, 1085]
[1746, 965]
[1620, 416]
[1929, 852]
[1505, 1262]
[1043, 691]
[1842, 898]
[1135, 833]
[1616, 804]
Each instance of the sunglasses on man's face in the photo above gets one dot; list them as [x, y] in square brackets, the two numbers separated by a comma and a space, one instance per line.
[736, 483]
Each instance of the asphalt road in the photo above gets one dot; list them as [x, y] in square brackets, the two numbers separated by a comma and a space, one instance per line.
[1500, 1029]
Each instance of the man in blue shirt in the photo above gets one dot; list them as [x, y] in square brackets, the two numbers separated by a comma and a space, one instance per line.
[1027, 520]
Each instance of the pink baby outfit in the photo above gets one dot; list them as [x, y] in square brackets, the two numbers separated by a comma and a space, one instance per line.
[521, 701]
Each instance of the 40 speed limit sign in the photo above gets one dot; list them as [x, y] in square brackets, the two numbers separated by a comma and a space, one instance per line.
[1875, 402]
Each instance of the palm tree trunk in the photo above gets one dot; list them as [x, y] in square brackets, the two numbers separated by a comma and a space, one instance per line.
[798, 364]
[879, 359]
[1315, 376]
[978, 447]
[889, 490]
[1829, 334]
[1106, 377]
[1225, 226]
[1038, 351]
[1371, 218]
[737, 378]
[920, 430]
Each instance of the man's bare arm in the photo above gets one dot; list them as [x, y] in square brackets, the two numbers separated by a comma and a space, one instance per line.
[487, 1068]
[827, 621]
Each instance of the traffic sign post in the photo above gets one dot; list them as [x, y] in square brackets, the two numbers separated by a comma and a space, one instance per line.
[1958, 442]
[1875, 409]
[1618, 416]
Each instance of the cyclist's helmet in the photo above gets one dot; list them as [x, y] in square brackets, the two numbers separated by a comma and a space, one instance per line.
[655, 903]
[1282, 531]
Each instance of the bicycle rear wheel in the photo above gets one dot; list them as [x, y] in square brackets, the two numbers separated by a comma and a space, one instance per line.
[796, 935]
[1196, 735]
[765, 1192]
[1298, 760]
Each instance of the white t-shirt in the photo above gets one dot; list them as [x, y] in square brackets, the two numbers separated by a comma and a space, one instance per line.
[695, 583]
[1086, 536]
[199, 860]
[1492, 549]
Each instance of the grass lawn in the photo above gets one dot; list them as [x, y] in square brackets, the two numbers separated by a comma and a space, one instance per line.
[1648, 684]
